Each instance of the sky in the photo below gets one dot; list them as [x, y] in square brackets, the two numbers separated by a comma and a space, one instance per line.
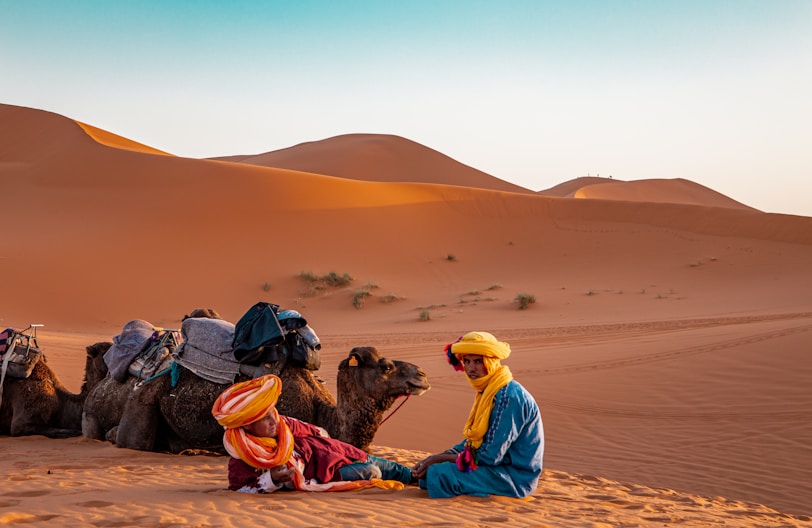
[535, 92]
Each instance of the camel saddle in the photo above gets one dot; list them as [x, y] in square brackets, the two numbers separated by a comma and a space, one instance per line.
[157, 353]
[19, 354]
[206, 350]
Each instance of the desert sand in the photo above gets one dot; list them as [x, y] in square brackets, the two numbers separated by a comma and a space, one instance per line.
[667, 347]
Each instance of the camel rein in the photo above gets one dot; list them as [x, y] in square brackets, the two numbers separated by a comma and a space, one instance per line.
[396, 408]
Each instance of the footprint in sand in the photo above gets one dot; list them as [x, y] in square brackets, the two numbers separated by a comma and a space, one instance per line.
[33, 493]
[19, 478]
[605, 498]
[94, 504]
[349, 515]
[24, 518]
[72, 484]
[495, 519]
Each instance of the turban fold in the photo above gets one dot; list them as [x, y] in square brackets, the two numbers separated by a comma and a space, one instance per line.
[243, 404]
[481, 344]
[246, 402]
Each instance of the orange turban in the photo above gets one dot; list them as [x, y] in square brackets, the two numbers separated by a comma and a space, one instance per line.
[246, 402]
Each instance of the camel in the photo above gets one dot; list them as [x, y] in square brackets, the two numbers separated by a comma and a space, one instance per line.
[159, 417]
[104, 405]
[41, 405]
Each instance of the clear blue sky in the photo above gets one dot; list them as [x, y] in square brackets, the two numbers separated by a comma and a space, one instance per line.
[534, 92]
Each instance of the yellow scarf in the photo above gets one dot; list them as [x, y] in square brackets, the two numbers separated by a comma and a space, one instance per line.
[487, 386]
[492, 352]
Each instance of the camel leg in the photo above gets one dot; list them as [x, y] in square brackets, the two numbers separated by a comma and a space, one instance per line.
[103, 408]
[32, 421]
[138, 427]
[91, 428]
[51, 432]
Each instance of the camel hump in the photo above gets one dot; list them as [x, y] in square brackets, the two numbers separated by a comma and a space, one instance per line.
[210, 335]
[206, 349]
[127, 345]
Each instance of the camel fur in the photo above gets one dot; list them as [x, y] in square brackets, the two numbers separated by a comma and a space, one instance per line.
[41, 405]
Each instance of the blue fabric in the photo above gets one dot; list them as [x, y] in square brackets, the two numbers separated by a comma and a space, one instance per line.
[376, 467]
[510, 457]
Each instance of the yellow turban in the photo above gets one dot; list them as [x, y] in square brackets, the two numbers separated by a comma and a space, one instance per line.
[246, 402]
[481, 344]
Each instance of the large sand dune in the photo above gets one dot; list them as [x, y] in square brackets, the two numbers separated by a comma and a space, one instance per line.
[376, 157]
[666, 348]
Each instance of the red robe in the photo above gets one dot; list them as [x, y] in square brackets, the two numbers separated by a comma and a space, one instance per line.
[322, 456]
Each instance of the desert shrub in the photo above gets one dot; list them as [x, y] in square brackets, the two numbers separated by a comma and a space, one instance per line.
[389, 297]
[308, 276]
[359, 296]
[425, 314]
[334, 279]
[525, 300]
[451, 258]
[316, 283]
[266, 286]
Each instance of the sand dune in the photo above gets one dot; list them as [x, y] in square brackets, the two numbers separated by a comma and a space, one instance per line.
[667, 345]
[568, 188]
[676, 191]
[659, 191]
[377, 157]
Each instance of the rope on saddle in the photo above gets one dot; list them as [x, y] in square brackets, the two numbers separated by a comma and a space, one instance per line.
[173, 369]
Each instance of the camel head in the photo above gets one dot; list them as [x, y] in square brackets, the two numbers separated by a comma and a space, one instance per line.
[95, 367]
[366, 374]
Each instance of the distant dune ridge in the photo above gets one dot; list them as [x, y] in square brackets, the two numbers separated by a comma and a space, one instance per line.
[667, 347]
[377, 157]
[654, 191]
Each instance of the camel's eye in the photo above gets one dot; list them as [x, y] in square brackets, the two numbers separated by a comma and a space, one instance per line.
[387, 365]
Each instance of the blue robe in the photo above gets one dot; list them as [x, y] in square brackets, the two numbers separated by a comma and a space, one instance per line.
[510, 456]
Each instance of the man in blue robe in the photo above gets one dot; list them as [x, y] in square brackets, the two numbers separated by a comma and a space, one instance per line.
[503, 447]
